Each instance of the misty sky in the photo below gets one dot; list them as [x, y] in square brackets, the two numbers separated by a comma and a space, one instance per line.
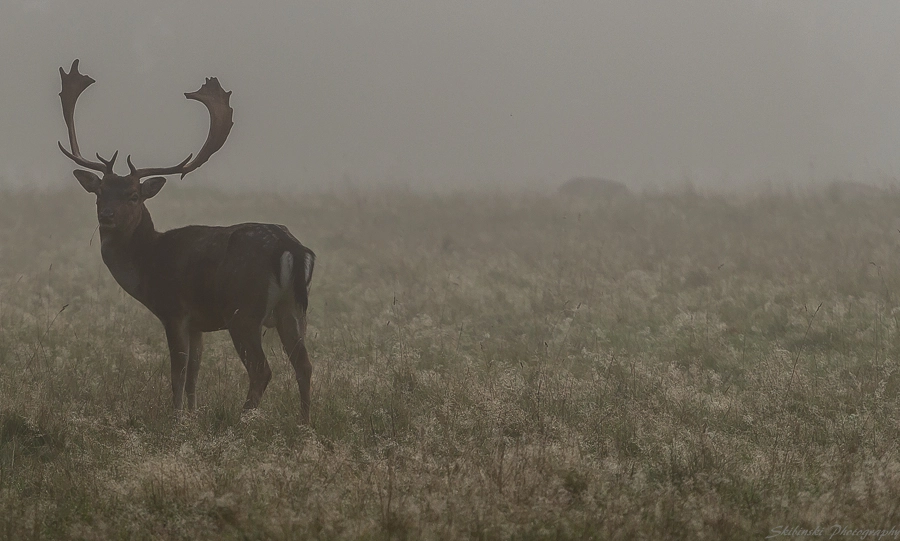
[463, 93]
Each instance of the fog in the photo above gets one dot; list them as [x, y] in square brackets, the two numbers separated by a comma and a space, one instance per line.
[461, 94]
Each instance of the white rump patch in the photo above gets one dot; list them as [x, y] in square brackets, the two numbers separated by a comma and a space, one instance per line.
[279, 284]
[287, 266]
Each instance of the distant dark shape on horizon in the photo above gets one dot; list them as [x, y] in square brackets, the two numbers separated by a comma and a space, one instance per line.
[594, 188]
[840, 191]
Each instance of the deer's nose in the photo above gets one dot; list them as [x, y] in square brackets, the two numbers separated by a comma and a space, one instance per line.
[106, 215]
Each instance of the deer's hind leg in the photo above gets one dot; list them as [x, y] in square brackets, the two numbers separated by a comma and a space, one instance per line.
[247, 338]
[290, 320]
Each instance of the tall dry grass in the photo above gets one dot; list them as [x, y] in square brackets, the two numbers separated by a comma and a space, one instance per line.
[485, 366]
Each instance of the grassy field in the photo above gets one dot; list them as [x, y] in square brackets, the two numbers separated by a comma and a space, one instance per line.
[485, 367]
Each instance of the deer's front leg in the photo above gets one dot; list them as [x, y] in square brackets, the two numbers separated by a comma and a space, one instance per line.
[193, 368]
[179, 351]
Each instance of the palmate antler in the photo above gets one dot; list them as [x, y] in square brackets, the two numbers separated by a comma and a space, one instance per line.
[73, 84]
[211, 94]
[215, 98]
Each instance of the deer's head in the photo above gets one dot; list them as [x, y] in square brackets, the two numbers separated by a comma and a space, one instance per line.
[120, 199]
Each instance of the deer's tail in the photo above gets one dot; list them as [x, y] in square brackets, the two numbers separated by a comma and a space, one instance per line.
[295, 264]
[304, 262]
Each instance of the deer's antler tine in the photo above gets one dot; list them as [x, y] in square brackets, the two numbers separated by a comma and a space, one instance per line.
[67, 153]
[110, 162]
[73, 84]
[147, 171]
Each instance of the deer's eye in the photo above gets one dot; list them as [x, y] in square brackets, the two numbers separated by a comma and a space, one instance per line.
[134, 198]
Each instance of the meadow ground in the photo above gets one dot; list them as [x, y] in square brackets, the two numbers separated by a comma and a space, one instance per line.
[485, 366]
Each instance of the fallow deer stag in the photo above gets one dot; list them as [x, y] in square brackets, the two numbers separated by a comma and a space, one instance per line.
[198, 278]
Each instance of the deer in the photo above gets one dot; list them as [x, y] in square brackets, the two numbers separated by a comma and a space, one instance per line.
[197, 279]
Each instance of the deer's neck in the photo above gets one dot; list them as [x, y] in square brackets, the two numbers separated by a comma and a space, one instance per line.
[128, 256]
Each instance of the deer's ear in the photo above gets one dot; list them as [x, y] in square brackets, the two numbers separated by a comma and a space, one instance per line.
[152, 186]
[89, 181]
